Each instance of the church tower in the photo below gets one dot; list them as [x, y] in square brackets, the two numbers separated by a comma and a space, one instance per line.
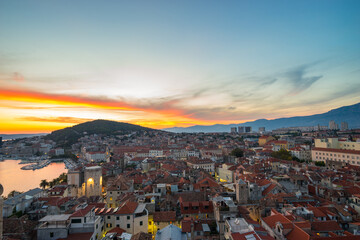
[242, 192]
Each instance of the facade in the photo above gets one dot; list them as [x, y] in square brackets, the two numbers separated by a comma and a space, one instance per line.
[336, 155]
[301, 153]
[344, 126]
[242, 192]
[21, 201]
[86, 182]
[53, 227]
[156, 153]
[244, 129]
[131, 216]
[205, 164]
[84, 220]
[336, 144]
[264, 139]
[225, 173]
[97, 156]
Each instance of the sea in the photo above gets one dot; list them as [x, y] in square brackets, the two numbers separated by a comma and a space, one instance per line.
[12, 177]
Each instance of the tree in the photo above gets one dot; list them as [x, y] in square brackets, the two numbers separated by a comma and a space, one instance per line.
[62, 178]
[237, 152]
[282, 154]
[44, 183]
[320, 163]
[13, 193]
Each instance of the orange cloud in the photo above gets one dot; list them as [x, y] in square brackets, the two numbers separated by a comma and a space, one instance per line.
[56, 119]
[155, 116]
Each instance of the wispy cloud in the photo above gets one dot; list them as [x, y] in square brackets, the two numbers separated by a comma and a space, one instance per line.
[301, 82]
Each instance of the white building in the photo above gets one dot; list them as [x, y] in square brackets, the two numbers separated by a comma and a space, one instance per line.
[156, 153]
[131, 216]
[97, 156]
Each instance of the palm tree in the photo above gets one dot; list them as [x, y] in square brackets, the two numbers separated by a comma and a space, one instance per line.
[44, 183]
[62, 178]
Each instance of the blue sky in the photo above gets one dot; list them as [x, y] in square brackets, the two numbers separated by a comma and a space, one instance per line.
[211, 61]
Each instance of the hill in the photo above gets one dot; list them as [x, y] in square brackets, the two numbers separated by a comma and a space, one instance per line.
[70, 135]
[350, 114]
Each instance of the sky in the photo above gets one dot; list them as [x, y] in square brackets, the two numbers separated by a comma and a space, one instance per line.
[163, 64]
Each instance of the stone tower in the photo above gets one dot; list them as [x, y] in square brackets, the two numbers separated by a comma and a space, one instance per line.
[242, 192]
[92, 185]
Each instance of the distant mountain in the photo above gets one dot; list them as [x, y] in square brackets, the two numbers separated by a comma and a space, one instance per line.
[349, 114]
[70, 135]
[16, 136]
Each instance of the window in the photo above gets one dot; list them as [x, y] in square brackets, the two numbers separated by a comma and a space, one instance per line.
[109, 217]
[117, 225]
[76, 220]
[141, 223]
[128, 217]
[117, 218]
[128, 225]
[51, 234]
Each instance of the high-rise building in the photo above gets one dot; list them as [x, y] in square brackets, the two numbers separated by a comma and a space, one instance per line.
[241, 129]
[344, 126]
[248, 129]
[233, 130]
[261, 129]
[333, 125]
[0, 142]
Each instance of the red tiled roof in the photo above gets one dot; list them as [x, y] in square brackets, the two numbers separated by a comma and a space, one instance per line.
[82, 212]
[325, 226]
[78, 236]
[117, 230]
[298, 234]
[127, 208]
[169, 216]
[269, 189]
[272, 220]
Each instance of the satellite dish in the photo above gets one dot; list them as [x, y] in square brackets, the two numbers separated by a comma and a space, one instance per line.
[1, 189]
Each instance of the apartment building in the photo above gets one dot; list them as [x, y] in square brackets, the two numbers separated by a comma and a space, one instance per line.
[338, 155]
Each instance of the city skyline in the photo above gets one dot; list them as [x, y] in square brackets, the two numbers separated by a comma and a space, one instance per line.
[172, 64]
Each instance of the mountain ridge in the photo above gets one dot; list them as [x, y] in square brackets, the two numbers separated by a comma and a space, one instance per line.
[350, 114]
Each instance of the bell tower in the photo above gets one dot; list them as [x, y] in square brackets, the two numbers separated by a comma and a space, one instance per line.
[242, 192]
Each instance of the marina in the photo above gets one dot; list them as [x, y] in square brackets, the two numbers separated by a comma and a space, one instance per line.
[12, 177]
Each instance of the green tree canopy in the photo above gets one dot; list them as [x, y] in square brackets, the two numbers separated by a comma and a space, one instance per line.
[237, 152]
